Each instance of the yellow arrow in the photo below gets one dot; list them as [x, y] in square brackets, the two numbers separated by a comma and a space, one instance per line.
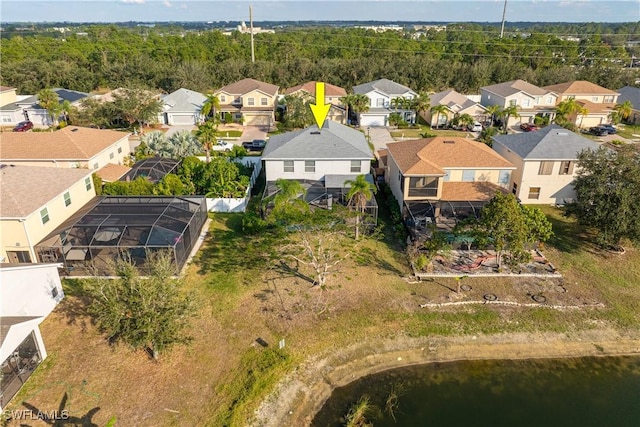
[320, 109]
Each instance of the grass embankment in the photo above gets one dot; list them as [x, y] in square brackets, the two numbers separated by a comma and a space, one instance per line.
[224, 373]
[416, 133]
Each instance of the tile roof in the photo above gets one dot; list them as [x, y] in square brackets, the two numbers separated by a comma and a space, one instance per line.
[469, 191]
[112, 172]
[630, 93]
[451, 98]
[247, 85]
[70, 143]
[515, 86]
[41, 184]
[6, 88]
[580, 87]
[310, 87]
[334, 141]
[183, 100]
[431, 156]
[386, 86]
[549, 143]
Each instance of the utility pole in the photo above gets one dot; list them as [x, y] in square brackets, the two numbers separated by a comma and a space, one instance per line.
[504, 13]
[253, 54]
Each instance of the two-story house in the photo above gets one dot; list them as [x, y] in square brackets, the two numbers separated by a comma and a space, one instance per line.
[448, 177]
[30, 292]
[69, 147]
[545, 163]
[332, 95]
[456, 105]
[598, 102]
[529, 100]
[36, 200]
[382, 94]
[16, 108]
[248, 101]
[182, 107]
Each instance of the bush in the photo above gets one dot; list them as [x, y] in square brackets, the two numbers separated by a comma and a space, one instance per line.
[421, 262]
[394, 212]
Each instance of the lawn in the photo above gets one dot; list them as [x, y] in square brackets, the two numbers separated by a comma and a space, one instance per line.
[629, 131]
[224, 373]
[415, 133]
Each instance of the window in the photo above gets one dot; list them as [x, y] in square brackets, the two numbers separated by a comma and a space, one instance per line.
[264, 101]
[87, 183]
[526, 102]
[309, 166]
[237, 100]
[534, 193]
[550, 100]
[111, 156]
[380, 102]
[223, 98]
[356, 166]
[251, 101]
[425, 186]
[514, 190]
[513, 102]
[545, 168]
[6, 119]
[608, 99]
[538, 100]
[237, 116]
[571, 97]
[468, 175]
[67, 199]
[119, 150]
[96, 165]
[447, 176]
[288, 166]
[566, 168]
[44, 215]
[504, 177]
[594, 99]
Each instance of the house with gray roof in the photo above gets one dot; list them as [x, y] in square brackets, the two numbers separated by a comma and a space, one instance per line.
[381, 94]
[322, 159]
[182, 107]
[545, 162]
[631, 94]
[16, 108]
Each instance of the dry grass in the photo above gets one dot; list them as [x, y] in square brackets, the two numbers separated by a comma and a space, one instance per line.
[221, 376]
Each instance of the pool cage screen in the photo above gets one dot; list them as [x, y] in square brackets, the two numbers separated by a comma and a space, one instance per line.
[131, 227]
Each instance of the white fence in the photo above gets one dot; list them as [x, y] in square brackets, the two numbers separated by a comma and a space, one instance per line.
[237, 205]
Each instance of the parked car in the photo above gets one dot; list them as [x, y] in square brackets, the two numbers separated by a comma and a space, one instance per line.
[23, 126]
[528, 127]
[255, 145]
[611, 129]
[221, 145]
[598, 131]
[476, 127]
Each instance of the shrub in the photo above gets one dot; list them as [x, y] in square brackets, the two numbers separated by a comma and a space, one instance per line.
[421, 262]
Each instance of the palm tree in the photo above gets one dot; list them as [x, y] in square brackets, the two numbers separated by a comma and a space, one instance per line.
[286, 200]
[466, 120]
[566, 108]
[507, 113]
[494, 111]
[157, 142]
[624, 110]
[67, 110]
[207, 134]
[583, 112]
[360, 192]
[356, 103]
[209, 107]
[184, 144]
[48, 100]
[420, 104]
[439, 110]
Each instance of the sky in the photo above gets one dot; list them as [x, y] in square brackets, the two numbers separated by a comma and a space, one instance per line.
[288, 10]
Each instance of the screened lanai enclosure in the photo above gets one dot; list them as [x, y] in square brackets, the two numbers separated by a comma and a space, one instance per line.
[131, 227]
[154, 169]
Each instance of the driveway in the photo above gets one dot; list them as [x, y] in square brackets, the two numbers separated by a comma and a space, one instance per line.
[249, 133]
[175, 128]
[380, 137]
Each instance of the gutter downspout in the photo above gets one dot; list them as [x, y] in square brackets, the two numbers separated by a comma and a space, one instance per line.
[26, 233]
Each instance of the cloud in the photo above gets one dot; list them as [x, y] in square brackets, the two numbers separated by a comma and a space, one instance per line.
[134, 1]
[166, 3]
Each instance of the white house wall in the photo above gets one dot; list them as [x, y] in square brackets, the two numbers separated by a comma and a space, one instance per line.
[554, 188]
[274, 169]
[393, 173]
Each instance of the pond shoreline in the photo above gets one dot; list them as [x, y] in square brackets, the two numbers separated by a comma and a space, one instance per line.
[300, 395]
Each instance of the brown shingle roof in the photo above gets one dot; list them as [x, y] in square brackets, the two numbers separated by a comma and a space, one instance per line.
[515, 86]
[6, 88]
[580, 87]
[112, 172]
[247, 85]
[69, 143]
[432, 155]
[597, 108]
[469, 191]
[382, 156]
[24, 189]
[310, 87]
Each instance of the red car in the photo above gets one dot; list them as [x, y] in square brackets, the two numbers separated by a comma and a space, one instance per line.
[23, 126]
[528, 127]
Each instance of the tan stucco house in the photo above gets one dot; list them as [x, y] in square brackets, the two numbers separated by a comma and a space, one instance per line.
[598, 101]
[457, 104]
[249, 101]
[332, 95]
[530, 100]
[444, 176]
[36, 200]
[70, 147]
[545, 163]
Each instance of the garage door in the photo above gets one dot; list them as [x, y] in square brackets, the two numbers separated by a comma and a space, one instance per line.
[183, 119]
[373, 120]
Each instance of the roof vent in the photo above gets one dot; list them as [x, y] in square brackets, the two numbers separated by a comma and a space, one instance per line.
[74, 130]
[315, 132]
[449, 141]
[563, 133]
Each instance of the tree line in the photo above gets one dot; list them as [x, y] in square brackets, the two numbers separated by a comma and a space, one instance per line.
[464, 57]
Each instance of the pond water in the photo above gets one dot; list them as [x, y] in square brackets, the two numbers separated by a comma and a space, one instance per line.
[549, 392]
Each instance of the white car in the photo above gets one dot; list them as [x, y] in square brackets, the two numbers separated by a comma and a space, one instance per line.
[477, 127]
[221, 145]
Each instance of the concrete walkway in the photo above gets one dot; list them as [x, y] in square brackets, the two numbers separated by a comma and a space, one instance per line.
[380, 137]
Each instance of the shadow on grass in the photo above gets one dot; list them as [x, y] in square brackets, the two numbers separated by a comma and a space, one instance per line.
[568, 235]
[63, 417]
[75, 306]
[367, 256]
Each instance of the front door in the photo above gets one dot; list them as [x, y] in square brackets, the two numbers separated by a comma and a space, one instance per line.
[16, 257]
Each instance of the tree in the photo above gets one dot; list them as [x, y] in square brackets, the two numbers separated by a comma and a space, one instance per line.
[622, 112]
[439, 110]
[170, 185]
[157, 142]
[183, 144]
[287, 204]
[420, 104]
[146, 313]
[296, 112]
[486, 134]
[359, 194]
[48, 100]
[539, 228]
[210, 106]
[494, 112]
[207, 134]
[136, 106]
[357, 103]
[607, 196]
[507, 113]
